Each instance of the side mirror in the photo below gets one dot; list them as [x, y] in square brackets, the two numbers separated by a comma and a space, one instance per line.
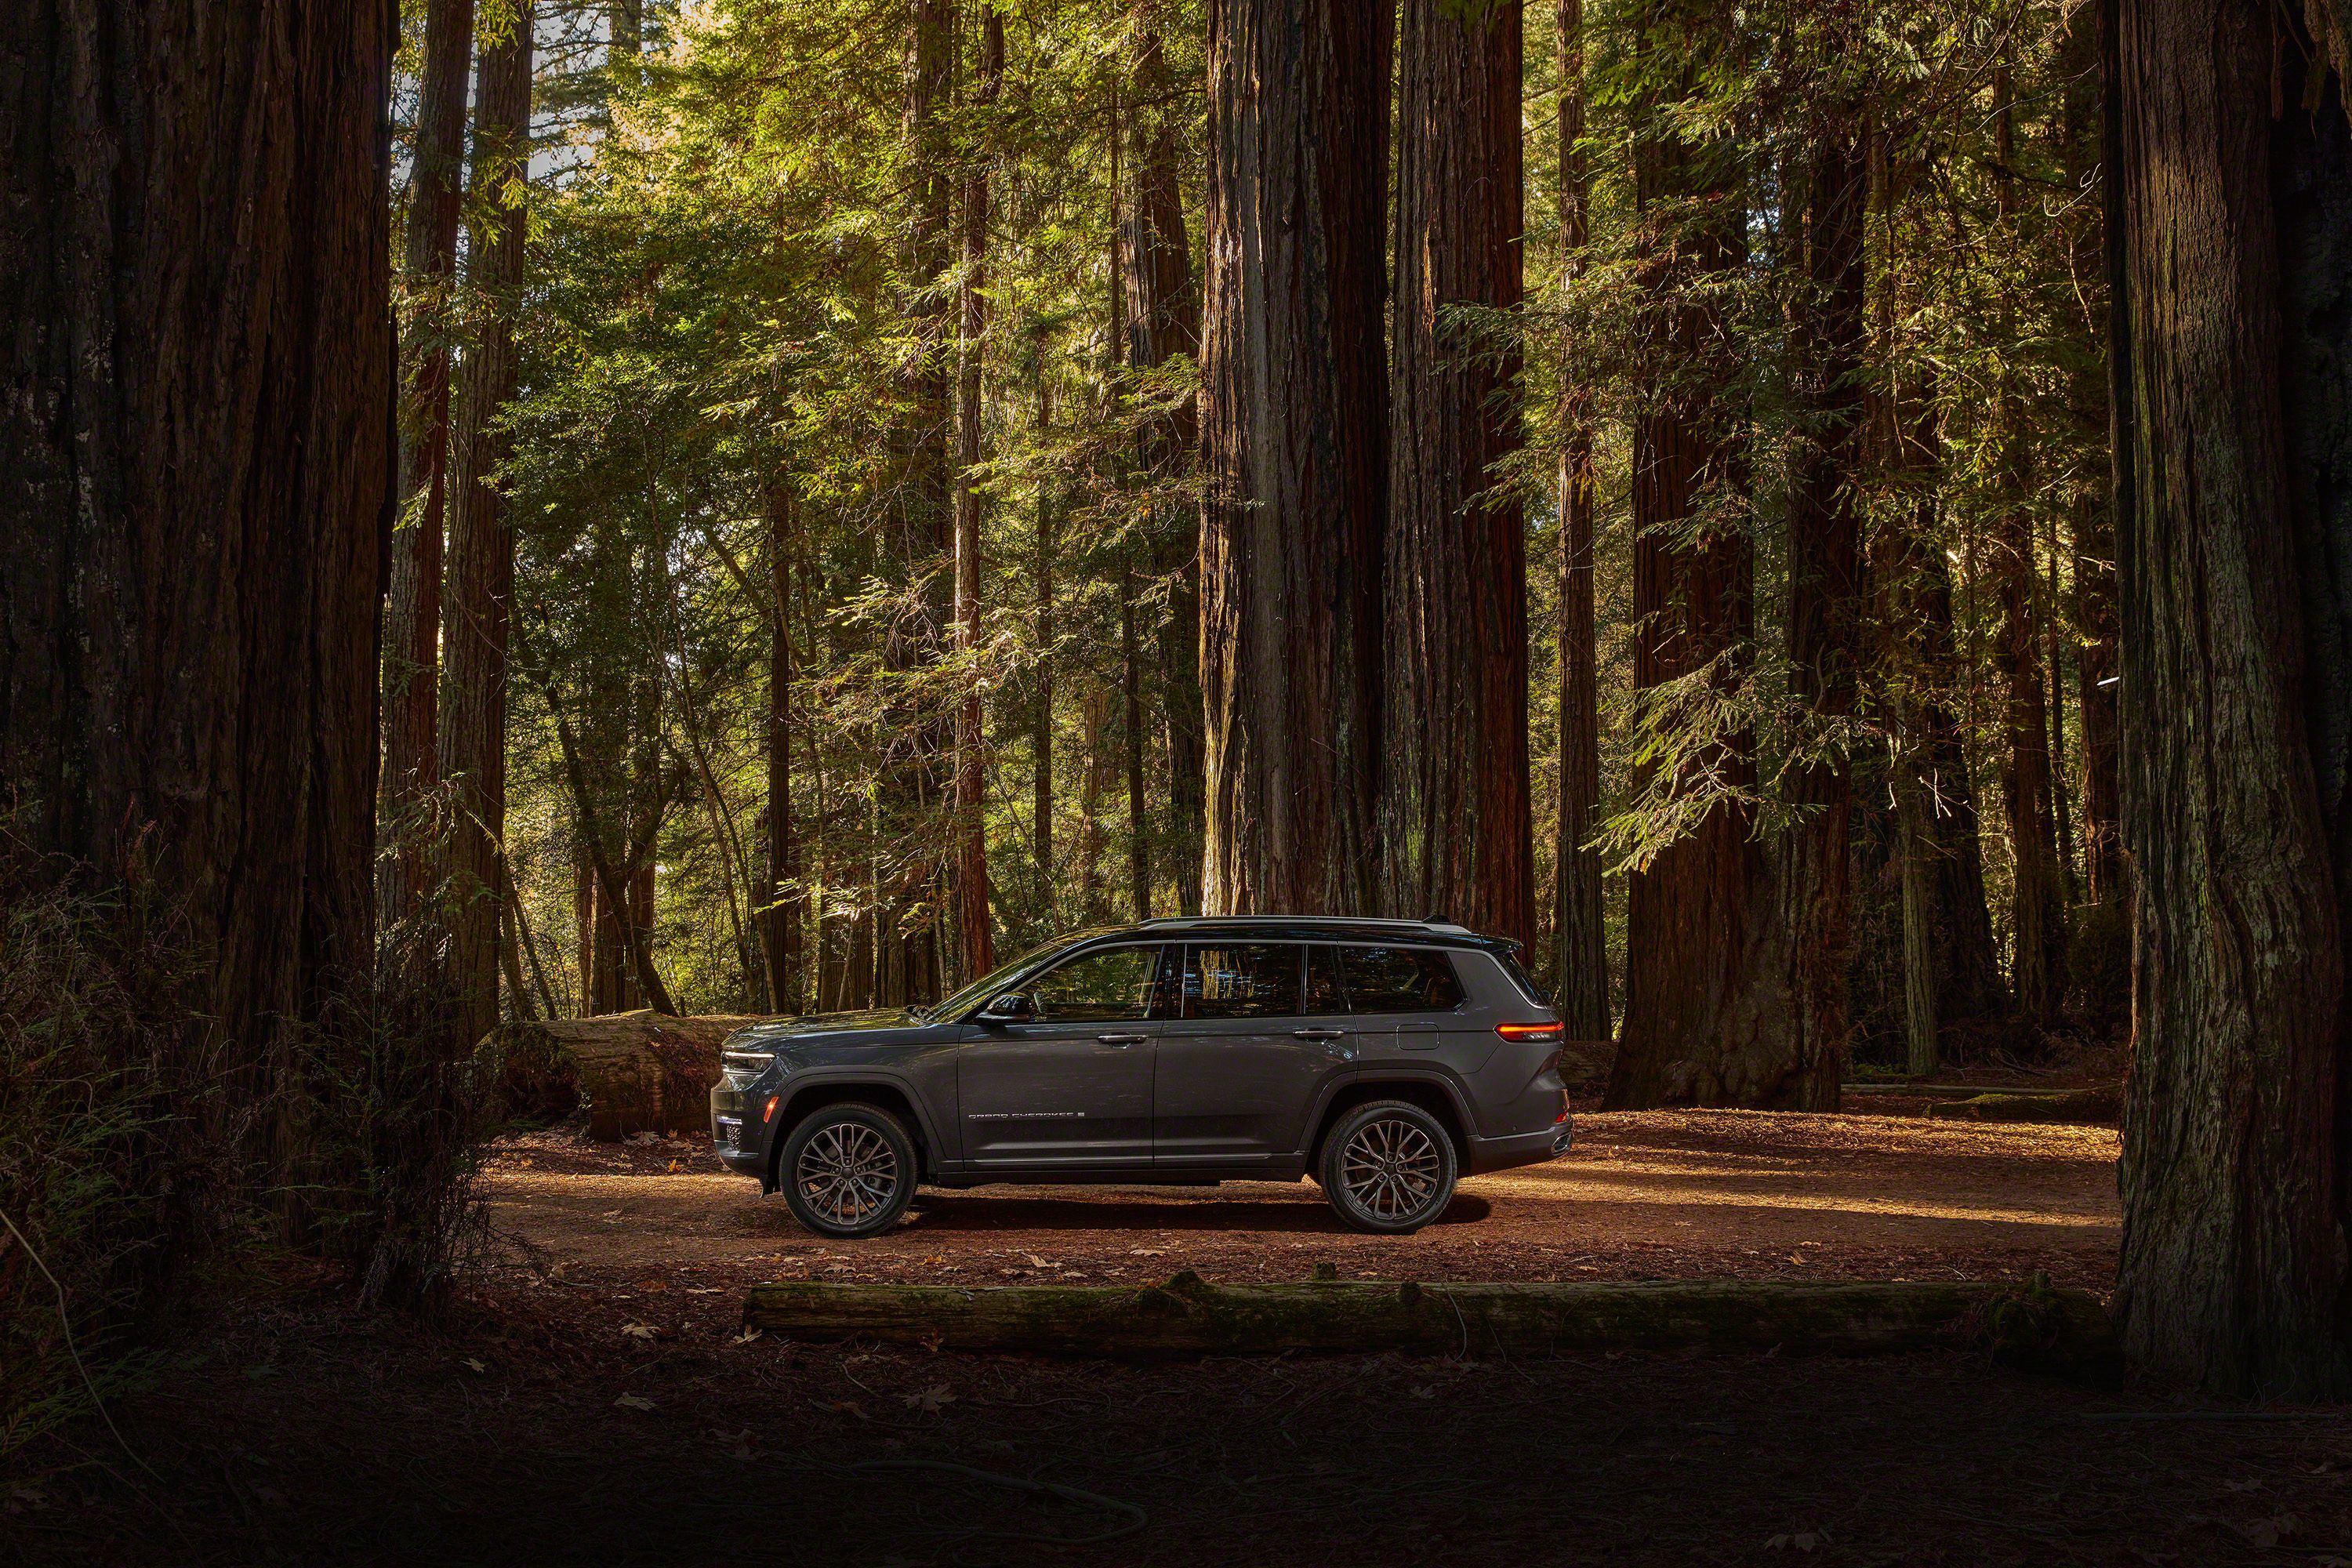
[1012, 1007]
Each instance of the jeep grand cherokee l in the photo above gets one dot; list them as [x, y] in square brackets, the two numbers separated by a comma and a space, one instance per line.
[1382, 1057]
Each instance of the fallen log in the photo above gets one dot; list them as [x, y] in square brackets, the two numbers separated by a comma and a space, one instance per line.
[2027, 1325]
[636, 1072]
[2100, 1105]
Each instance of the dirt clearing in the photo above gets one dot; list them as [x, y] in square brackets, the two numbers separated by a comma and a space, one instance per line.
[1651, 1194]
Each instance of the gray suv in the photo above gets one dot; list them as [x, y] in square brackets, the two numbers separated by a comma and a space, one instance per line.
[1383, 1057]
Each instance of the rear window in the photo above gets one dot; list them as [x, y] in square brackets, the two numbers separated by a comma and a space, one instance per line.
[1510, 964]
[1400, 979]
[1246, 980]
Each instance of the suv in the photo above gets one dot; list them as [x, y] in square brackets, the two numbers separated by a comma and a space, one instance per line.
[1383, 1057]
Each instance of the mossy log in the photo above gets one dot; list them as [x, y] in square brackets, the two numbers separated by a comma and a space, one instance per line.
[638, 1072]
[1584, 1065]
[2032, 1324]
[2100, 1105]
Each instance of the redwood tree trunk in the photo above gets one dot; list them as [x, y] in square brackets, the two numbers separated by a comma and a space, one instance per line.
[2038, 963]
[778, 905]
[196, 418]
[481, 538]
[412, 631]
[1581, 934]
[1692, 934]
[906, 946]
[1457, 835]
[974, 928]
[1294, 443]
[2234, 722]
[2106, 874]
[1163, 320]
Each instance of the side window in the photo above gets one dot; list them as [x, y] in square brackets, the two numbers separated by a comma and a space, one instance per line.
[1400, 979]
[1253, 980]
[1324, 993]
[1113, 987]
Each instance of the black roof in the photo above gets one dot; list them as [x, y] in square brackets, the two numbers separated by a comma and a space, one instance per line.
[1335, 928]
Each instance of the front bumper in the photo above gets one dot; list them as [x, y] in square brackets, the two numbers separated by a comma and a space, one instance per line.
[737, 1132]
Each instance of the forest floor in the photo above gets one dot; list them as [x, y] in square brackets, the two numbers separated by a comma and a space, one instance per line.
[594, 1401]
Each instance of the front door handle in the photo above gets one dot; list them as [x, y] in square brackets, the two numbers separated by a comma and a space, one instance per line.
[1122, 1039]
[1319, 1033]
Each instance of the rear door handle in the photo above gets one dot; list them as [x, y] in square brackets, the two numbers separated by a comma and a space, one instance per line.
[1122, 1039]
[1319, 1033]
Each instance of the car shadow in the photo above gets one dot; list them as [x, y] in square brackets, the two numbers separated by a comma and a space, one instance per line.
[950, 1211]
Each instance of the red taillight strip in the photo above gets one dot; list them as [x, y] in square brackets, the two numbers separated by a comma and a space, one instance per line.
[1539, 1032]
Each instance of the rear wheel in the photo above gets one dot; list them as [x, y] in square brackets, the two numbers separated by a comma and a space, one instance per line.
[848, 1170]
[1388, 1167]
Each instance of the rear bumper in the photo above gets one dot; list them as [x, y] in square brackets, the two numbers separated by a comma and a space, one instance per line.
[1519, 1148]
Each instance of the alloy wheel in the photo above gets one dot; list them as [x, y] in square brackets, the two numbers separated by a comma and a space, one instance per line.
[1390, 1168]
[847, 1173]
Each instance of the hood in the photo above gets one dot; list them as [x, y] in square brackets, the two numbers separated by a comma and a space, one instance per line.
[783, 1030]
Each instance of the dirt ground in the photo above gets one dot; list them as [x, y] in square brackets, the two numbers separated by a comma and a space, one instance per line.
[1651, 1194]
[595, 1401]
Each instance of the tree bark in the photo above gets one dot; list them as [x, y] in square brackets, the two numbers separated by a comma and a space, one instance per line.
[2038, 922]
[1582, 933]
[1040, 733]
[1164, 321]
[1456, 833]
[1802, 1026]
[473, 738]
[974, 928]
[906, 945]
[1692, 931]
[197, 431]
[412, 630]
[778, 908]
[1293, 446]
[2234, 720]
[2106, 876]
[1139, 832]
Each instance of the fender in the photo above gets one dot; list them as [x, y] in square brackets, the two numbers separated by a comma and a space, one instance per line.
[800, 1082]
[1435, 1074]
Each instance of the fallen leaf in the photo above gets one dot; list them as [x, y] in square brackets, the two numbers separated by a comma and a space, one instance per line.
[673, 1167]
[1036, 1261]
[633, 1401]
[844, 1407]
[638, 1331]
[1146, 1251]
[476, 1365]
[1425, 1391]
[741, 1441]
[748, 1335]
[931, 1400]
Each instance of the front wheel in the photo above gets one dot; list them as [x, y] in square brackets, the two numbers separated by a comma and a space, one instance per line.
[1388, 1167]
[848, 1171]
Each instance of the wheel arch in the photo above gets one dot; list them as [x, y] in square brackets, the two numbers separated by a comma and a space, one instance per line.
[883, 1093]
[1430, 1093]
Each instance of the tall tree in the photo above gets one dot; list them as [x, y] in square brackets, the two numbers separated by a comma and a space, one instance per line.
[473, 737]
[1164, 321]
[196, 415]
[1583, 935]
[1293, 444]
[1691, 941]
[779, 911]
[1456, 833]
[906, 945]
[412, 630]
[2106, 874]
[974, 926]
[2038, 900]
[2237, 657]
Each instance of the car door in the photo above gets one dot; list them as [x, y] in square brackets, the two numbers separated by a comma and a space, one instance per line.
[1407, 1005]
[1241, 1066]
[1073, 1087]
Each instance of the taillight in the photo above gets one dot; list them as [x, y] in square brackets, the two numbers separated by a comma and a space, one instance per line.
[1540, 1034]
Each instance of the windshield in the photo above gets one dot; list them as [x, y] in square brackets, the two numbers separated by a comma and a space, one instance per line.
[988, 984]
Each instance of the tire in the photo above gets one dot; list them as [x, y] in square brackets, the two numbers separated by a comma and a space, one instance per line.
[848, 1170]
[1401, 1161]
